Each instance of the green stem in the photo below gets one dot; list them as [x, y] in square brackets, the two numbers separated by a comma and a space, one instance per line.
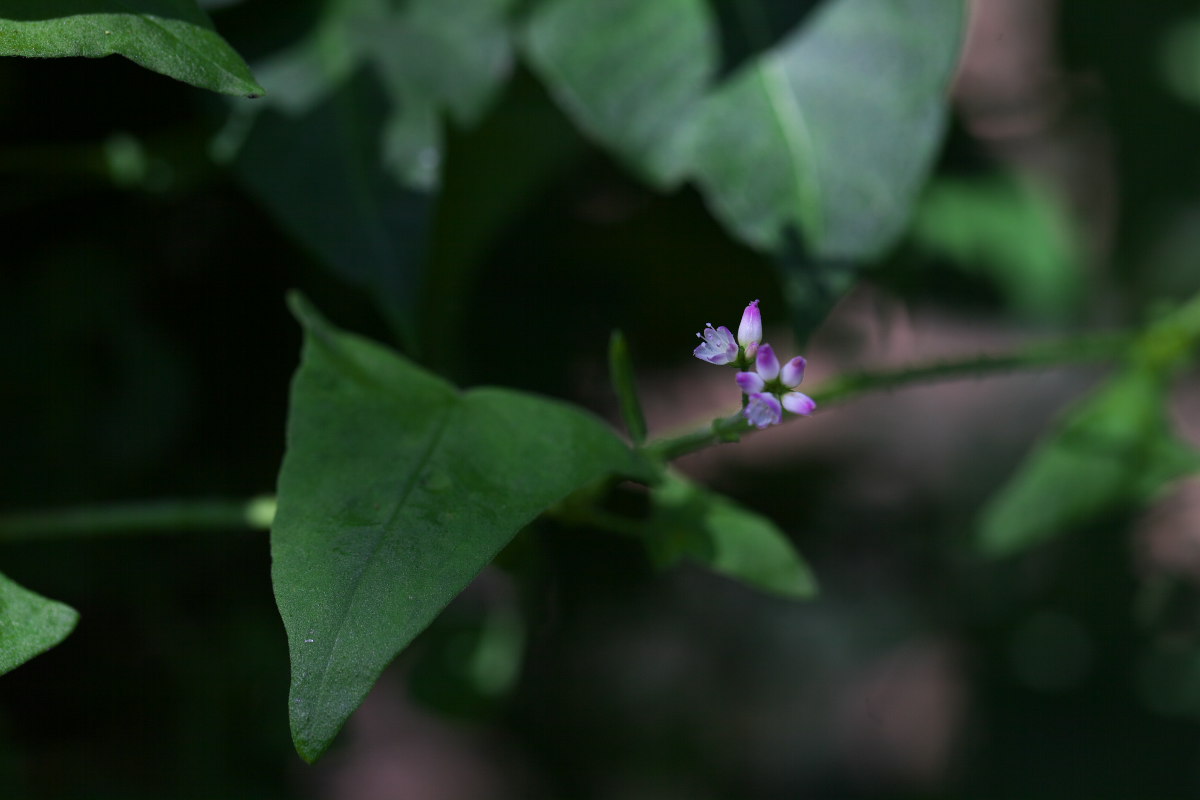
[1100, 347]
[1085, 349]
[135, 518]
[257, 513]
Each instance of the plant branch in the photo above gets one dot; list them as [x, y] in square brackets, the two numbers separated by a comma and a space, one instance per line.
[257, 513]
[1083, 349]
[136, 518]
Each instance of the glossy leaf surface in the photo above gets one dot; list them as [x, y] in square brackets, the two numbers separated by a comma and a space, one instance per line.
[395, 491]
[29, 624]
[172, 37]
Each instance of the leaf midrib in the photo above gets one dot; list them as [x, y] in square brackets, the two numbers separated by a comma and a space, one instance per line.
[383, 528]
[147, 19]
[797, 138]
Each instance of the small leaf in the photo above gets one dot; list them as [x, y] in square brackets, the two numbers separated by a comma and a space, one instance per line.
[29, 624]
[620, 370]
[395, 491]
[172, 37]
[1115, 448]
[688, 521]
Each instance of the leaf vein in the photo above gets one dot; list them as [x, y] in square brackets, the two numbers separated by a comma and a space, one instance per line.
[381, 535]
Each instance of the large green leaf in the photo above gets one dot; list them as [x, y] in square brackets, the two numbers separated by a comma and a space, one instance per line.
[1114, 449]
[173, 37]
[830, 133]
[395, 491]
[692, 523]
[631, 73]
[29, 624]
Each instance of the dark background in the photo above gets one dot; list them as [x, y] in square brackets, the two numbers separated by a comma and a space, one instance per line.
[146, 351]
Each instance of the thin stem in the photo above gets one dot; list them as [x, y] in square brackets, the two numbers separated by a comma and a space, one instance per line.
[720, 430]
[1101, 347]
[1085, 349]
[137, 518]
[257, 513]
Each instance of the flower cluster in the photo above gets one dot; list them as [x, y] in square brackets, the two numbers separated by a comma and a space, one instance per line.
[769, 387]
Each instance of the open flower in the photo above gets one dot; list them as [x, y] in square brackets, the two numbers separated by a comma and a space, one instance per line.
[720, 347]
[763, 409]
[770, 386]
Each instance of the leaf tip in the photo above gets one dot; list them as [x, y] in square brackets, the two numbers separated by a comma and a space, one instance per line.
[303, 309]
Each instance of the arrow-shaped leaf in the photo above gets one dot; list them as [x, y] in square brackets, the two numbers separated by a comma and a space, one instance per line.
[395, 491]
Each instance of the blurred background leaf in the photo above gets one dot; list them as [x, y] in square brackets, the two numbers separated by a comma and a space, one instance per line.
[806, 138]
[319, 175]
[1010, 232]
[1116, 448]
[631, 74]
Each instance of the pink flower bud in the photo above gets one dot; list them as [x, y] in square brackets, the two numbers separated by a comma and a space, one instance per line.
[766, 363]
[750, 382]
[793, 372]
[750, 331]
[799, 403]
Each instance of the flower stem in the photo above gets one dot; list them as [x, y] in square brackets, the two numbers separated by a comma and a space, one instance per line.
[257, 513]
[1083, 349]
